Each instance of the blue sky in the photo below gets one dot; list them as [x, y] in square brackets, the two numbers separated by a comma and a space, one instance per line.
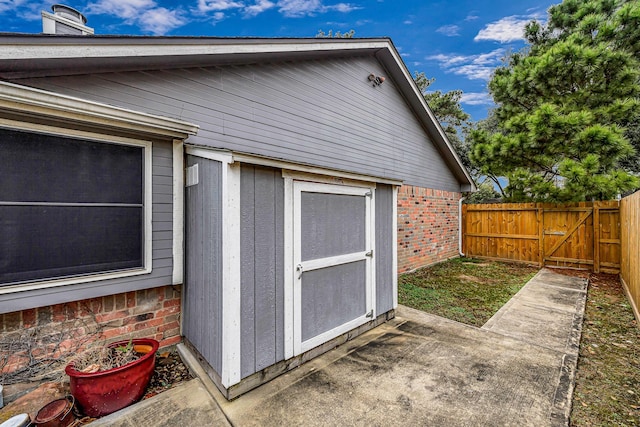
[457, 42]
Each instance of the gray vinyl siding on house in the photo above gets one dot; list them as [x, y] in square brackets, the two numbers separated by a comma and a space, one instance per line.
[323, 113]
[384, 248]
[203, 261]
[262, 268]
[162, 244]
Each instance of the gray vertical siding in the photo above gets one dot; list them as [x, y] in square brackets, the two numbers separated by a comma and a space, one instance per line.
[262, 274]
[202, 323]
[322, 112]
[384, 248]
[162, 257]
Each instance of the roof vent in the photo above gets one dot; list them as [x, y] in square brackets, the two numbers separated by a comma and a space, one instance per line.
[64, 20]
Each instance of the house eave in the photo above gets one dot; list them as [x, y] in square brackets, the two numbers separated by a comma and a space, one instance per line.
[22, 101]
[29, 56]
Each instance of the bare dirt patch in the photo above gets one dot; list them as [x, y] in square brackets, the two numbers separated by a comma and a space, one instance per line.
[608, 377]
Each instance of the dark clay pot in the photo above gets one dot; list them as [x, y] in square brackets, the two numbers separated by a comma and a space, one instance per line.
[101, 393]
[58, 413]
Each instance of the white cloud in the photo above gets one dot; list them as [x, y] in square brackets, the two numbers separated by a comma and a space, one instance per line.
[476, 98]
[161, 20]
[298, 8]
[7, 5]
[301, 8]
[288, 8]
[144, 13]
[342, 7]
[471, 17]
[258, 7]
[507, 29]
[473, 67]
[217, 5]
[408, 22]
[218, 16]
[449, 30]
[125, 9]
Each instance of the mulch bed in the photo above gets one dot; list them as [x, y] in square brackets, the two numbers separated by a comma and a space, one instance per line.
[169, 372]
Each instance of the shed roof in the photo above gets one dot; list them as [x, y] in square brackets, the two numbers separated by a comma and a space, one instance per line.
[39, 55]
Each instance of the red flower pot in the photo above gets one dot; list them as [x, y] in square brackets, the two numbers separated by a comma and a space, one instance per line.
[104, 392]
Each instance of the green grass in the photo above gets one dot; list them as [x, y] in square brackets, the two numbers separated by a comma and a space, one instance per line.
[465, 290]
[607, 389]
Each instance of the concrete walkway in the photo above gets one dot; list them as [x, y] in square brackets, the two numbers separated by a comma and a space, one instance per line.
[417, 369]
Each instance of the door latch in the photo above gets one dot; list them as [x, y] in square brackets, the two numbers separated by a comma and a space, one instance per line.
[370, 314]
[299, 270]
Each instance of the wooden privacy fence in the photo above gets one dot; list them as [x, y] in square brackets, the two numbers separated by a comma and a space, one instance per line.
[578, 235]
[630, 262]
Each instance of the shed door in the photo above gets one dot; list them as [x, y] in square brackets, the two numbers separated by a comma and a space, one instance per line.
[333, 260]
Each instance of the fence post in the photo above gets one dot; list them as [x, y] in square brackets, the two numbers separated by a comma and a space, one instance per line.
[596, 237]
[463, 232]
[540, 234]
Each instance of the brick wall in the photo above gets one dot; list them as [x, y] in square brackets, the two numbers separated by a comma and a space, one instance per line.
[65, 329]
[427, 227]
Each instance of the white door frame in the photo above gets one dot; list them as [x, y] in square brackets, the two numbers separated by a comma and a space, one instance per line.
[295, 267]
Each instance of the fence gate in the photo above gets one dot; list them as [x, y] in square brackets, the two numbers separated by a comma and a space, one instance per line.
[577, 235]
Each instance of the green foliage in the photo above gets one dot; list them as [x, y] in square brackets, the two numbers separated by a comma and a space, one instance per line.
[446, 107]
[484, 194]
[568, 106]
[335, 35]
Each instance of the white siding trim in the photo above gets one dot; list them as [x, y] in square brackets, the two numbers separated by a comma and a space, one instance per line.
[221, 156]
[178, 213]
[289, 318]
[293, 169]
[231, 291]
[394, 231]
[294, 345]
[371, 270]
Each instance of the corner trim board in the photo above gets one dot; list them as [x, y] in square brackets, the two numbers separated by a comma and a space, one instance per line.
[231, 262]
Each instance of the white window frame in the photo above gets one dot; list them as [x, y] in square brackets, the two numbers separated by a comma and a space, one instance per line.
[89, 138]
[293, 279]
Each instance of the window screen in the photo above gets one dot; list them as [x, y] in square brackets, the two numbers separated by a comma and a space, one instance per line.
[68, 207]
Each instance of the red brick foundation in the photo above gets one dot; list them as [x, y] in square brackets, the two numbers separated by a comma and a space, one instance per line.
[152, 313]
[427, 227]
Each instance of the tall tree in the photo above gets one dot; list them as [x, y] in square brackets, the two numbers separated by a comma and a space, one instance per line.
[566, 105]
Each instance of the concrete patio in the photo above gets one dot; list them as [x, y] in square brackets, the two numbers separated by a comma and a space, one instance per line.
[417, 369]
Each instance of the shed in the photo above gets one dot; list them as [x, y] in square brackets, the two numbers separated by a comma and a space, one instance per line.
[261, 175]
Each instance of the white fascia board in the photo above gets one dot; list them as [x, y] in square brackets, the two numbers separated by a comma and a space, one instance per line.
[222, 156]
[36, 102]
[318, 170]
[159, 47]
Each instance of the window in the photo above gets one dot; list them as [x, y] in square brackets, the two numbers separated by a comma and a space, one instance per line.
[71, 207]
